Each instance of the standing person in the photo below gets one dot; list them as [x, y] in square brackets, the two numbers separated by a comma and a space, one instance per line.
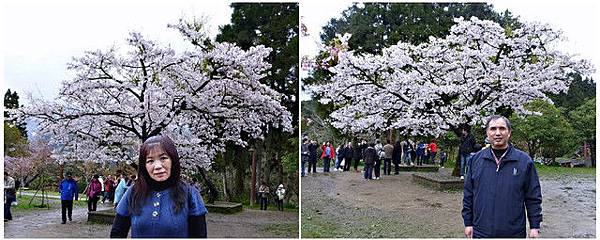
[312, 161]
[339, 157]
[433, 150]
[102, 192]
[406, 148]
[93, 192]
[305, 155]
[263, 192]
[413, 151]
[388, 150]
[68, 191]
[419, 152]
[348, 156]
[160, 204]
[369, 155]
[131, 180]
[113, 188]
[357, 155]
[397, 157]
[280, 192]
[379, 158]
[120, 189]
[425, 153]
[327, 154]
[467, 143]
[442, 158]
[106, 188]
[501, 183]
[10, 195]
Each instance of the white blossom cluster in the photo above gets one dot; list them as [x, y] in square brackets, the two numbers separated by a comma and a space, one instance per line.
[434, 87]
[202, 99]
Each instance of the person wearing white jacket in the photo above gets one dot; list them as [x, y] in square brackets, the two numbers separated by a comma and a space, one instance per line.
[280, 194]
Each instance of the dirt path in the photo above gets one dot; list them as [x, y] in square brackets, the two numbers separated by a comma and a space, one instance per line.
[249, 224]
[343, 204]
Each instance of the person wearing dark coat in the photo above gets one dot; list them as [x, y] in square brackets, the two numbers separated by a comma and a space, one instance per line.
[358, 155]
[369, 156]
[467, 144]
[396, 156]
[501, 185]
[312, 160]
[348, 156]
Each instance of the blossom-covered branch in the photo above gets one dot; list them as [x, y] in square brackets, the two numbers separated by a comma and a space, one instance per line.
[202, 98]
[435, 87]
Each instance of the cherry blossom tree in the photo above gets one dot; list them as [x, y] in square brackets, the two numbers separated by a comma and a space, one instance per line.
[438, 86]
[203, 98]
[30, 166]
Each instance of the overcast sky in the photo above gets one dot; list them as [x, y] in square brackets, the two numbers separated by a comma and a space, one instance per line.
[577, 19]
[40, 37]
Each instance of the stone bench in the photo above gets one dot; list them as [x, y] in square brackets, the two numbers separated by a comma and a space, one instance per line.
[108, 216]
[224, 207]
[422, 168]
[102, 216]
[438, 181]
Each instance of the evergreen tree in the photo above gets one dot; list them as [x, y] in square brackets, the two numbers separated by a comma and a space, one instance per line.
[11, 101]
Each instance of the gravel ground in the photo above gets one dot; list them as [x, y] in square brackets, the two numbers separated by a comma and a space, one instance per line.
[248, 224]
[343, 204]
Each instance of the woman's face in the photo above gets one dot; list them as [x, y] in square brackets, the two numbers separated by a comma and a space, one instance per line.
[158, 164]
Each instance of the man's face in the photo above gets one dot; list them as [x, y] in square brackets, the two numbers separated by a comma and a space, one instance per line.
[498, 133]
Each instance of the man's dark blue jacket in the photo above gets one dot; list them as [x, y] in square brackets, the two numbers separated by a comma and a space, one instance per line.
[68, 189]
[495, 197]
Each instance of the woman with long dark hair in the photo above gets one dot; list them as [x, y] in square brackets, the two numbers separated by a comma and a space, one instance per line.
[160, 204]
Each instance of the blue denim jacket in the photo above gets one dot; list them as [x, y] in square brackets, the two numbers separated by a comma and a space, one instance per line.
[495, 197]
[158, 218]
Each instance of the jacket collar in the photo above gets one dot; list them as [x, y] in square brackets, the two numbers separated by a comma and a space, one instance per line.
[509, 157]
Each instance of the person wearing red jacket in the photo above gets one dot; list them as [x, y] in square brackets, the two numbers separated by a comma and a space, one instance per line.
[432, 150]
[93, 191]
[327, 154]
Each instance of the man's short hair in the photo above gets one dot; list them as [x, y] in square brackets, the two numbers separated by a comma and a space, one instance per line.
[495, 117]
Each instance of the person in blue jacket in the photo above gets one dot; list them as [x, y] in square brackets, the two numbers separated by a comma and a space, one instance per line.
[68, 191]
[160, 204]
[500, 185]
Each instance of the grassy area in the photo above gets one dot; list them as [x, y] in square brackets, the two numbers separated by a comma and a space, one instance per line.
[23, 204]
[48, 193]
[544, 170]
[289, 230]
[314, 226]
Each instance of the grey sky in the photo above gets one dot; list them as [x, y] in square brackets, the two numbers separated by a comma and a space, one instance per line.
[577, 19]
[40, 37]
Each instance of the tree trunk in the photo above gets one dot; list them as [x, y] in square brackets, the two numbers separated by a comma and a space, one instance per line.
[240, 166]
[253, 179]
[456, 170]
[226, 196]
[279, 163]
[212, 190]
[593, 152]
[26, 182]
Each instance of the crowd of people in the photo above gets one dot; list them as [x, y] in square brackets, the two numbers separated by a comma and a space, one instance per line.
[371, 154]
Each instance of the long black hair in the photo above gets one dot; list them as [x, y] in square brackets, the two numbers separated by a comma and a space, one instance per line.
[144, 184]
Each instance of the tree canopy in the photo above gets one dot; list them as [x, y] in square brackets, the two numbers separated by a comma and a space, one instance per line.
[203, 99]
[437, 86]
